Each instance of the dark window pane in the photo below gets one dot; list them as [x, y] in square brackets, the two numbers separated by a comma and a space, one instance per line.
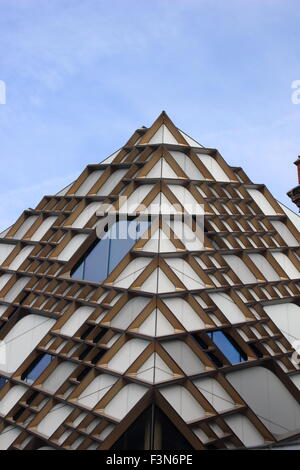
[2, 382]
[96, 262]
[107, 253]
[228, 347]
[36, 368]
[78, 273]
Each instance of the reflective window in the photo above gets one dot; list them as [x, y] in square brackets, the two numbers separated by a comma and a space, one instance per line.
[36, 368]
[228, 347]
[2, 382]
[106, 253]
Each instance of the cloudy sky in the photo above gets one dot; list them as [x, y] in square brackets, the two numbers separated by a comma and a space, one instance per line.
[81, 76]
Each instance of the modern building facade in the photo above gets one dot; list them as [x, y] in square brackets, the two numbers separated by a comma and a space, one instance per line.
[151, 304]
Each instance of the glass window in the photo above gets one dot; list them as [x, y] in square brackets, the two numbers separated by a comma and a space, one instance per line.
[2, 382]
[228, 347]
[106, 254]
[36, 368]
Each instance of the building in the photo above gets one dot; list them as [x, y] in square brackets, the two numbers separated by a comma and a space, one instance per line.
[294, 193]
[144, 330]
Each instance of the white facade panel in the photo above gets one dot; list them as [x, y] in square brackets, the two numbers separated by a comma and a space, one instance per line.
[183, 402]
[213, 167]
[23, 338]
[43, 228]
[96, 390]
[127, 354]
[28, 222]
[285, 233]
[86, 215]
[129, 312]
[215, 394]
[21, 256]
[71, 247]
[185, 314]
[11, 398]
[5, 251]
[286, 264]
[240, 269]
[264, 266]
[58, 376]
[187, 165]
[125, 400]
[88, 183]
[262, 201]
[225, 303]
[268, 398]
[184, 356]
[245, 430]
[54, 419]
[286, 317]
[76, 320]
[112, 182]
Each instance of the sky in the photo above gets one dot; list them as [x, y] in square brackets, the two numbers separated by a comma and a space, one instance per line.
[81, 76]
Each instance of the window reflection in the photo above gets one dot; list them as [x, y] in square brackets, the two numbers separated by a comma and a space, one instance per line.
[36, 368]
[228, 346]
[106, 253]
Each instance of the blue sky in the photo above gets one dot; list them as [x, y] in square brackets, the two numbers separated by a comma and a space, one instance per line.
[81, 76]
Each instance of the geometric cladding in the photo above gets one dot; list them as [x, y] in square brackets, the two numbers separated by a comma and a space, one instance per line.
[154, 300]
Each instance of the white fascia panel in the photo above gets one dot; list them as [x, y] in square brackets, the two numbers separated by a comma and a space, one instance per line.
[96, 390]
[184, 314]
[86, 215]
[187, 165]
[54, 419]
[215, 393]
[111, 182]
[228, 307]
[185, 273]
[10, 399]
[21, 256]
[262, 201]
[129, 312]
[28, 222]
[285, 233]
[23, 338]
[71, 247]
[264, 266]
[286, 264]
[58, 376]
[286, 317]
[155, 370]
[5, 251]
[156, 325]
[131, 272]
[213, 167]
[263, 391]
[124, 401]
[17, 287]
[245, 430]
[184, 356]
[43, 228]
[88, 183]
[240, 269]
[76, 320]
[127, 354]
[183, 402]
